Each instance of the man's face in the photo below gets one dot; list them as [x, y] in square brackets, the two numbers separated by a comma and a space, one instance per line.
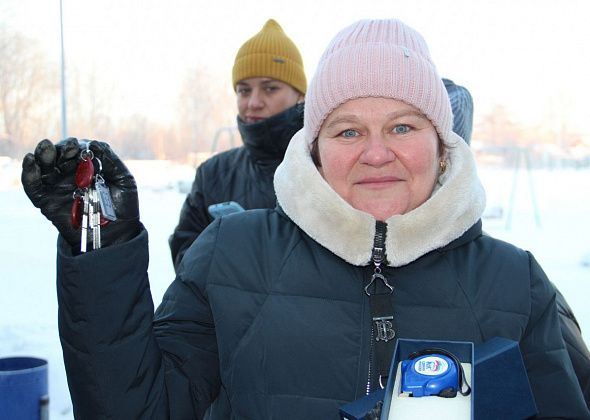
[262, 97]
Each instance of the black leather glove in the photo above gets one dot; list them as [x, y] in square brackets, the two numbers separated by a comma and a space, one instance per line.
[48, 180]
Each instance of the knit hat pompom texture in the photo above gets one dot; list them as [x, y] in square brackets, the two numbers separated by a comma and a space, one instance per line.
[270, 53]
[377, 58]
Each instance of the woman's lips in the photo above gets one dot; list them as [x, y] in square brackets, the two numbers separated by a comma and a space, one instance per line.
[378, 181]
[251, 120]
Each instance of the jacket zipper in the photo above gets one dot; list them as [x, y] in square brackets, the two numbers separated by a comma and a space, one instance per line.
[368, 390]
[377, 258]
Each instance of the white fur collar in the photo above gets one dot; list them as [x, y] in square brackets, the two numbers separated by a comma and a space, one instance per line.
[456, 204]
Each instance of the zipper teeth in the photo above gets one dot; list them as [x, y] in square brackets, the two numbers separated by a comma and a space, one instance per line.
[378, 254]
[380, 229]
[368, 390]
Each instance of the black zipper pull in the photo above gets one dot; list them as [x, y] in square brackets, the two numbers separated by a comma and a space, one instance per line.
[378, 257]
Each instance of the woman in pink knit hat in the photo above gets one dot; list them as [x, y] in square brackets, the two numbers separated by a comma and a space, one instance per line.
[290, 313]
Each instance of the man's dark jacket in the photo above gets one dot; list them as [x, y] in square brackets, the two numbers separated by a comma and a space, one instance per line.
[243, 174]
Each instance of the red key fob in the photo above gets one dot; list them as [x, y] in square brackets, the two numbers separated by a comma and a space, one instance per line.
[76, 212]
[84, 173]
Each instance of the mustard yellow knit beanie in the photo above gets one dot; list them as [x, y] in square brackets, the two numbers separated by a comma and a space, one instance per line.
[270, 53]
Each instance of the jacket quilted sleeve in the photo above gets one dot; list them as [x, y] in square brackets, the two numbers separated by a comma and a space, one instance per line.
[194, 218]
[121, 364]
[574, 342]
[555, 387]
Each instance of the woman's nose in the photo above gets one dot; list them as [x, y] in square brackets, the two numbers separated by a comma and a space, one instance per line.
[377, 151]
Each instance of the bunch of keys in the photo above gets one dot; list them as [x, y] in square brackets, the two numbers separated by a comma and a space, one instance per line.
[92, 206]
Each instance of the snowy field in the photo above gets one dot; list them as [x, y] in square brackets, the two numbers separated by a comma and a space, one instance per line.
[548, 216]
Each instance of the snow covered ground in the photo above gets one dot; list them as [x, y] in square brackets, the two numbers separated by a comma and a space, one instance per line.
[548, 215]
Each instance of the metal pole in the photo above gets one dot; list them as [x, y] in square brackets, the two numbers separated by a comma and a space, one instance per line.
[532, 187]
[64, 115]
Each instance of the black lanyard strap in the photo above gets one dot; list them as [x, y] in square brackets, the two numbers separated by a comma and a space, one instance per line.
[380, 294]
[383, 331]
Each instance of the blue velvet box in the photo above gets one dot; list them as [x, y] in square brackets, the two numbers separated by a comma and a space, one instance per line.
[499, 383]
[503, 389]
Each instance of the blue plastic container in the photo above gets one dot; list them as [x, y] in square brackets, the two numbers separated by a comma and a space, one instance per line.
[23, 389]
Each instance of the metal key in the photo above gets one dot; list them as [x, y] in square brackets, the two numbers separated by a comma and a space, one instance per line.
[95, 220]
[84, 223]
[91, 216]
[107, 210]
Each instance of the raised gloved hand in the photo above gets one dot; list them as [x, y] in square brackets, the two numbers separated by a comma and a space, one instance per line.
[48, 180]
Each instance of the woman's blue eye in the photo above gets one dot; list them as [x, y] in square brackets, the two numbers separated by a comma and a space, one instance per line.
[349, 133]
[401, 129]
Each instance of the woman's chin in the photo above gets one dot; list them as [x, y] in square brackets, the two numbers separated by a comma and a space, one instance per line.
[381, 211]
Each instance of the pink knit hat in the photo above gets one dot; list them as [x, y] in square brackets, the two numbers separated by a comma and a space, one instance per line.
[377, 58]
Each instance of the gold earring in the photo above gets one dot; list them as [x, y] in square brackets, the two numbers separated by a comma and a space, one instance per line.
[443, 166]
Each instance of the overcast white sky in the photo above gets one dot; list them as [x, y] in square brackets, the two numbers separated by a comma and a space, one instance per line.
[528, 55]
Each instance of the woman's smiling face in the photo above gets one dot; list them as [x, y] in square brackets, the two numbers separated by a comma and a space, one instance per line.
[380, 155]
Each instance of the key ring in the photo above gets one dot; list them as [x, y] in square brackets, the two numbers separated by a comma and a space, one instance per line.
[99, 164]
[78, 193]
[86, 154]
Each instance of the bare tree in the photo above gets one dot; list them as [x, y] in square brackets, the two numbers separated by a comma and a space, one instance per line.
[205, 106]
[27, 86]
[90, 103]
[497, 128]
[30, 108]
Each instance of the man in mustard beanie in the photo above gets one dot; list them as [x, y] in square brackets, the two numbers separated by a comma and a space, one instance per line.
[270, 85]
[270, 53]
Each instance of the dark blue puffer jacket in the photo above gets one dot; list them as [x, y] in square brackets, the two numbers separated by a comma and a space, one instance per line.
[283, 325]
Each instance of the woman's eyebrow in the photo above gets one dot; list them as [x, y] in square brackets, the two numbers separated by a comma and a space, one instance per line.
[344, 118]
[407, 113]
